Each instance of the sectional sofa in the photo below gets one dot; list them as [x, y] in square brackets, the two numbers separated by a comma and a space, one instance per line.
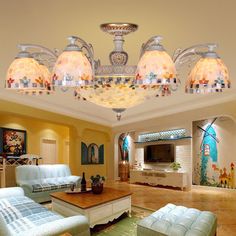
[39, 181]
[21, 216]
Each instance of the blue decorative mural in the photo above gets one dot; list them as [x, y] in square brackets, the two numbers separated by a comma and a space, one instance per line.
[208, 150]
[124, 146]
[213, 152]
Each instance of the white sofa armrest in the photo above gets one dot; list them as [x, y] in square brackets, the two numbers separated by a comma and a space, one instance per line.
[75, 225]
[26, 186]
[11, 192]
[74, 178]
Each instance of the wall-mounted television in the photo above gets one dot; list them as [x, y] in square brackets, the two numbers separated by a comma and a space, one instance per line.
[161, 153]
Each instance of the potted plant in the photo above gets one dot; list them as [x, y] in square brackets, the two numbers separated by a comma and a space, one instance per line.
[97, 183]
[175, 165]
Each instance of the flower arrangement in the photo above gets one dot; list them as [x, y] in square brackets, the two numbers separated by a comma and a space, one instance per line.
[97, 179]
[97, 183]
[175, 165]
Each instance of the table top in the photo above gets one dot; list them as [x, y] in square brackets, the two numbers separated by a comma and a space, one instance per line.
[89, 199]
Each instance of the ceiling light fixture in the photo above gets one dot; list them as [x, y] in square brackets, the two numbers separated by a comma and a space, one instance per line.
[117, 86]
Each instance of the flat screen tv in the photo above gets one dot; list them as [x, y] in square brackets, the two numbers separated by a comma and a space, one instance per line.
[162, 153]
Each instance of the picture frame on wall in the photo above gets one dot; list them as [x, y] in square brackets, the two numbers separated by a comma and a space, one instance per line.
[13, 141]
[92, 154]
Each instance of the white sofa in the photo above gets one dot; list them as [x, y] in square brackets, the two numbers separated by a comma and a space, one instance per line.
[21, 216]
[39, 181]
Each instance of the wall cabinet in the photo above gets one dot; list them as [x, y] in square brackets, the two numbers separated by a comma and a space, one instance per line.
[155, 177]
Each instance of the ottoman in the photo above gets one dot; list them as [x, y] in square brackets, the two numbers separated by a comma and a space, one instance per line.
[178, 221]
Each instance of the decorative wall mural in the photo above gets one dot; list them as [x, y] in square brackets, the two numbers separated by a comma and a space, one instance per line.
[92, 154]
[124, 146]
[213, 162]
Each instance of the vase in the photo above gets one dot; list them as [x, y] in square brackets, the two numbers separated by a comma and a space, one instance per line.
[97, 188]
[124, 170]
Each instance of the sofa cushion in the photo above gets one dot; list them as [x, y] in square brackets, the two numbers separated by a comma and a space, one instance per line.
[27, 173]
[3, 228]
[50, 186]
[178, 220]
[21, 214]
[54, 171]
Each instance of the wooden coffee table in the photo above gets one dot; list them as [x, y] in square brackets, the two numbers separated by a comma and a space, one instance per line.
[98, 208]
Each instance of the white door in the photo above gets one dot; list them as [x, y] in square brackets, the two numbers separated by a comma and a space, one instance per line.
[49, 151]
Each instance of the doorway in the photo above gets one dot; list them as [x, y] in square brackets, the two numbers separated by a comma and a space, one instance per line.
[49, 151]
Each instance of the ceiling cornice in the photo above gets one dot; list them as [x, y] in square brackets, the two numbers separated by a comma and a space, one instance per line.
[4, 95]
[142, 116]
[173, 109]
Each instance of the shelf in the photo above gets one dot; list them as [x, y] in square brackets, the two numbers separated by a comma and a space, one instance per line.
[170, 139]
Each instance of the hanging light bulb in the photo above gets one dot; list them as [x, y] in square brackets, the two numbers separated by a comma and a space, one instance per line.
[156, 68]
[208, 75]
[72, 68]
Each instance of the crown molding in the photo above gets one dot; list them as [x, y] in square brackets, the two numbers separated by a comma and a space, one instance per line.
[138, 117]
[51, 107]
[173, 109]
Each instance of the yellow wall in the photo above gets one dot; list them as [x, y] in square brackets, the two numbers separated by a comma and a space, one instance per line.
[40, 124]
[37, 130]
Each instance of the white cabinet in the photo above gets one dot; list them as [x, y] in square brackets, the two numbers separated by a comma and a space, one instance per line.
[154, 177]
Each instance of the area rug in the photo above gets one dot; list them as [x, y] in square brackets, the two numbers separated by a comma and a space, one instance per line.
[125, 226]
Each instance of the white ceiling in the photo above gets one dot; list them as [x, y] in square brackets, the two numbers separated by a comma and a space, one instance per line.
[185, 24]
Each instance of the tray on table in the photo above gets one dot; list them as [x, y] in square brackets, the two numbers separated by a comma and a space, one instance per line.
[78, 190]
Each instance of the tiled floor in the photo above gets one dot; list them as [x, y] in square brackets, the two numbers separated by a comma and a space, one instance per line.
[220, 201]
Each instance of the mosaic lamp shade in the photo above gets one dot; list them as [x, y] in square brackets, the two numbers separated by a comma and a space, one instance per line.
[47, 77]
[207, 76]
[114, 96]
[72, 69]
[156, 68]
[25, 76]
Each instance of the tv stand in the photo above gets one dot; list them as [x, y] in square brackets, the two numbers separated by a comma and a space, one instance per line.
[157, 177]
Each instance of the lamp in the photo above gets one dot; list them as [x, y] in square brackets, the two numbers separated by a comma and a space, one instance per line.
[208, 75]
[117, 86]
[28, 76]
[155, 67]
[72, 68]
[24, 74]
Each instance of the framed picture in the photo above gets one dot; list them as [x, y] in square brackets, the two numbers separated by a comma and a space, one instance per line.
[12, 141]
[92, 154]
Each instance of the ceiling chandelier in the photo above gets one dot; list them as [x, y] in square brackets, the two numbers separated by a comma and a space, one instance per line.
[38, 70]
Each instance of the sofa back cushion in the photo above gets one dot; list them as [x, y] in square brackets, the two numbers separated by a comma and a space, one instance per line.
[10, 192]
[27, 173]
[54, 171]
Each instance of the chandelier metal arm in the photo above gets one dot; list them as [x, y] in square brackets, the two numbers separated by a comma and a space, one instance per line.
[43, 49]
[89, 48]
[154, 40]
[193, 50]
